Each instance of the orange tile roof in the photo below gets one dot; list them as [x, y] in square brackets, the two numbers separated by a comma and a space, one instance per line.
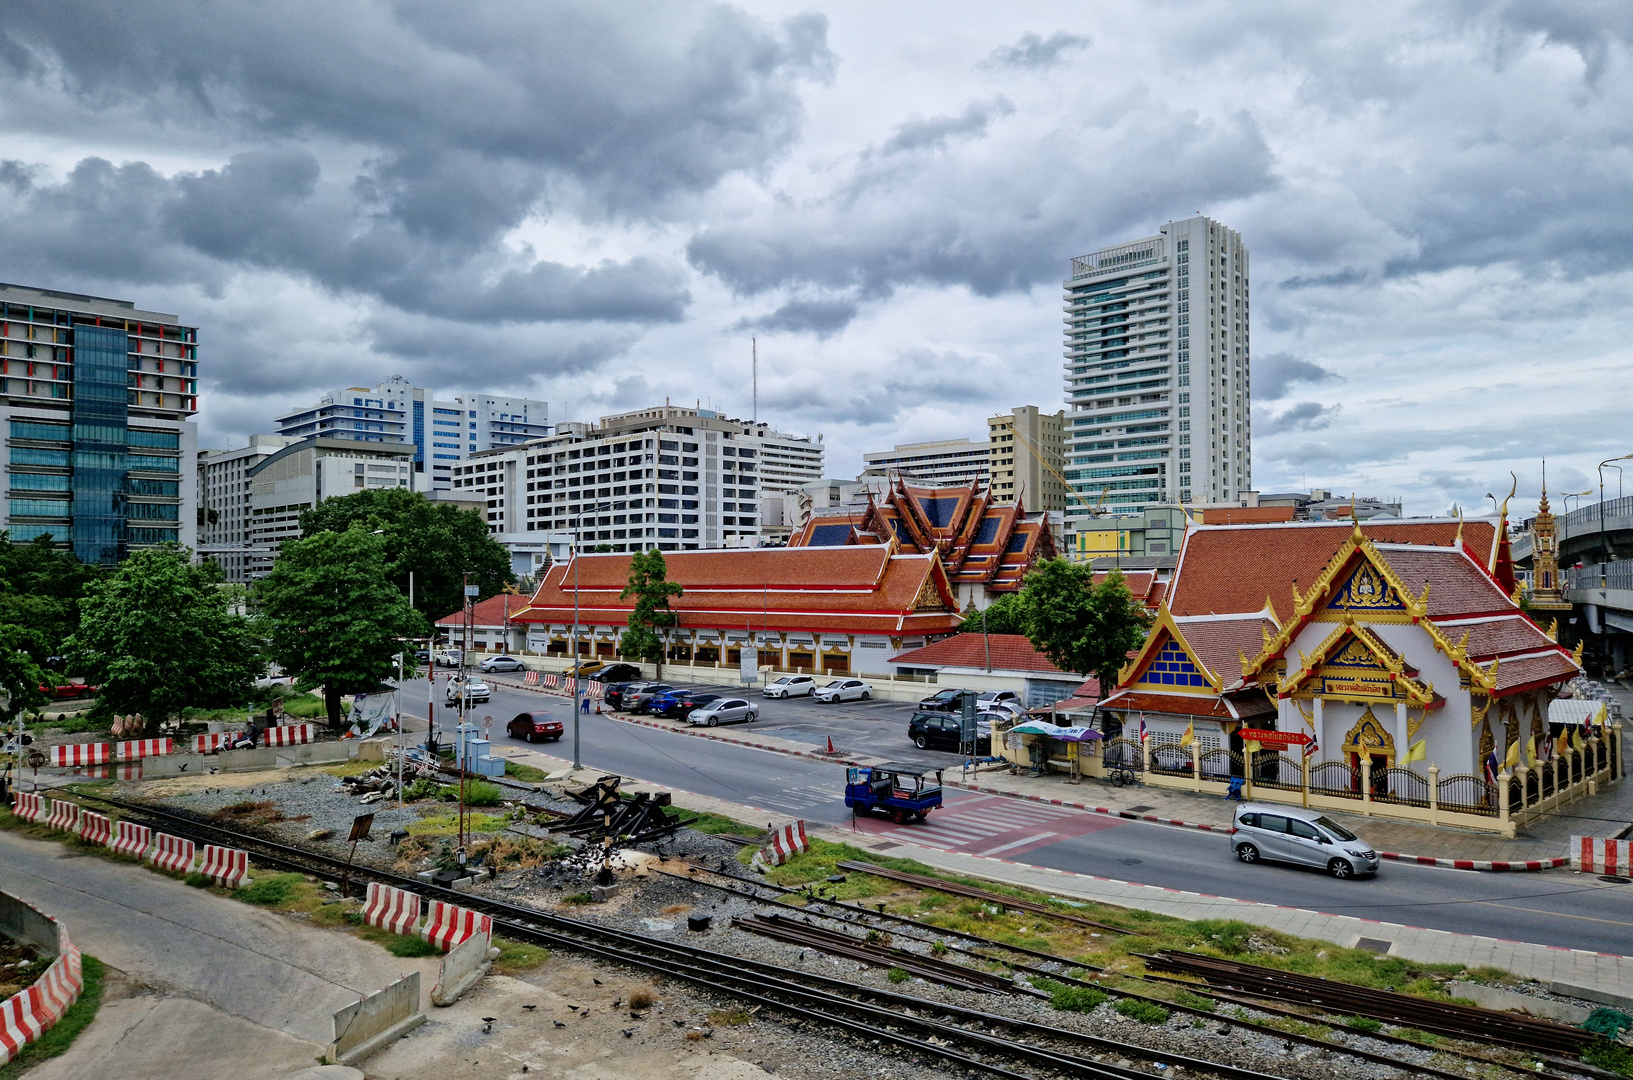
[1230, 569]
[1208, 706]
[489, 612]
[1220, 643]
[1009, 652]
[852, 589]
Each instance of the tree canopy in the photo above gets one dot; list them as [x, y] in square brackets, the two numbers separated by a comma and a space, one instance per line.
[1081, 626]
[438, 543]
[649, 584]
[1005, 615]
[331, 615]
[40, 589]
[158, 635]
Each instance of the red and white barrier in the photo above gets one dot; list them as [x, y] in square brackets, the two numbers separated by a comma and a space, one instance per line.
[95, 828]
[131, 839]
[397, 910]
[227, 867]
[64, 815]
[136, 749]
[594, 689]
[70, 754]
[531, 678]
[210, 743]
[30, 806]
[448, 925]
[289, 735]
[64, 979]
[172, 853]
[1597, 855]
[553, 681]
[785, 843]
[26, 1015]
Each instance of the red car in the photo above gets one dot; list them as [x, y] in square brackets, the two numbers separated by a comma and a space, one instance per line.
[534, 726]
[68, 690]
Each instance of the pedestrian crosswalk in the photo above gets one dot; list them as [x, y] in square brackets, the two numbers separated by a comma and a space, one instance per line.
[801, 799]
[992, 825]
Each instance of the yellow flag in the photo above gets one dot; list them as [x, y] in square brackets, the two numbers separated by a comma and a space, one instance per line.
[1531, 751]
[1418, 752]
[1513, 757]
[1251, 746]
[1576, 740]
[1190, 734]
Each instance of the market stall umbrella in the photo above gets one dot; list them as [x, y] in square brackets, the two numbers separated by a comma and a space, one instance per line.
[1064, 734]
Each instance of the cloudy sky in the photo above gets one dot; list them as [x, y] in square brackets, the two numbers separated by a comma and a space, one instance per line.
[600, 204]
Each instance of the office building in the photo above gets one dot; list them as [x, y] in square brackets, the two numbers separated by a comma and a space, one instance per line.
[298, 476]
[224, 502]
[1027, 458]
[442, 432]
[1157, 372]
[947, 461]
[665, 478]
[98, 399]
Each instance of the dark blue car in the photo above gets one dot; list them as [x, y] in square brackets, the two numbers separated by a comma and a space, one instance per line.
[665, 703]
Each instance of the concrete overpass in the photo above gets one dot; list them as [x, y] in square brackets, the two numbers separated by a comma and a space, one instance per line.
[1596, 565]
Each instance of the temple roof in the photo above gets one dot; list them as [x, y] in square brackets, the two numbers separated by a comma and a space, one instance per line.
[489, 612]
[861, 589]
[1008, 652]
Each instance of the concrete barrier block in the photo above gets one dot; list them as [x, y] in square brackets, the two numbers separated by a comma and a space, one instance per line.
[367, 1026]
[462, 968]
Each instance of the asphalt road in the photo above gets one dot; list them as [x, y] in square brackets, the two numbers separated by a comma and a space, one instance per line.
[1552, 908]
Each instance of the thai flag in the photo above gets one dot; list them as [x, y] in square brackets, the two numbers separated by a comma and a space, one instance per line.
[1312, 747]
[1491, 767]
[1142, 727]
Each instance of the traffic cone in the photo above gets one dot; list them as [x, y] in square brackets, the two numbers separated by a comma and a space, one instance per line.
[831, 749]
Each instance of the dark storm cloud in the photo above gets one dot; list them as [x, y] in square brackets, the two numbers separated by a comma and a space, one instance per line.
[978, 223]
[1590, 27]
[1304, 416]
[933, 134]
[1036, 53]
[824, 318]
[1274, 375]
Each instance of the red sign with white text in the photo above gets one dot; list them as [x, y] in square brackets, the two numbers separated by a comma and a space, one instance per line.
[1274, 738]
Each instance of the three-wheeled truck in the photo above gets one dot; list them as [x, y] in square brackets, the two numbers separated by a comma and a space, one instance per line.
[899, 790]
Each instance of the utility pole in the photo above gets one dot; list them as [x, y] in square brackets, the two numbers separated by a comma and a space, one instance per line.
[754, 343]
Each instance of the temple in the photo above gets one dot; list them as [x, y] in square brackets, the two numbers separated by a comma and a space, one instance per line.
[982, 544]
[1545, 594]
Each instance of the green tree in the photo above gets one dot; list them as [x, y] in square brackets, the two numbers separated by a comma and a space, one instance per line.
[438, 543]
[649, 584]
[332, 617]
[21, 653]
[157, 635]
[1004, 615]
[41, 587]
[1081, 626]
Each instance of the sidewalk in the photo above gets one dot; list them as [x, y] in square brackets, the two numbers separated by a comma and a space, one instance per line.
[1568, 970]
[1540, 846]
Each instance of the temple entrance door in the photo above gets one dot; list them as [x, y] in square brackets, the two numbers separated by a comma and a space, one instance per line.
[1370, 739]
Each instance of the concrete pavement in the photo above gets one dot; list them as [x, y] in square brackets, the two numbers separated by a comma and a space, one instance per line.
[206, 986]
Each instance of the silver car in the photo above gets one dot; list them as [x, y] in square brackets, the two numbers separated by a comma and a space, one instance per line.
[845, 690]
[1303, 837]
[501, 663]
[724, 711]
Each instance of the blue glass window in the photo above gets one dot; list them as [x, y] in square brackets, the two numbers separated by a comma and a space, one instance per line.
[39, 482]
[100, 431]
[156, 440]
[153, 511]
[20, 533]
[26, 429]
[141, 486]
[30, 455]
[153, 463]
[51, 508]
[153, 536]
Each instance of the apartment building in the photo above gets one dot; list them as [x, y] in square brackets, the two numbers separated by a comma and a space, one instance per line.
[1027, 457]
[224, 502]
[442, 432]
[97, 399]
[665, 478]
[298, 476]
[1144, 427]
[946, 461]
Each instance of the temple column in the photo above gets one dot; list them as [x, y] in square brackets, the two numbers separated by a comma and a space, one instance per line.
[1403, 741]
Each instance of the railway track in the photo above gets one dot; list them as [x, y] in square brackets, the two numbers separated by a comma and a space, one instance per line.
[960, 1037]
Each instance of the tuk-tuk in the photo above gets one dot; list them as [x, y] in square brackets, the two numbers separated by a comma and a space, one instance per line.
[900, 790]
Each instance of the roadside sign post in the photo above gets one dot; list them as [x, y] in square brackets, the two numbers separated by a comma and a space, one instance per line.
[966, 728]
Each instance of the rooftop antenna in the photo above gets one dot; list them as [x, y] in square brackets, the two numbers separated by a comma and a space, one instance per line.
[754, 344]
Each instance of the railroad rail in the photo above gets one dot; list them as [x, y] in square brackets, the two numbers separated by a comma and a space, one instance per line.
[975, 894]
[1515, 1030]
[930, 1028]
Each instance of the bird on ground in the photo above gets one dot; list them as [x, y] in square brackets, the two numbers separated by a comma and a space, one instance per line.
[529, 1008]
[586, 1012]
[596, 981]
[487, 1022]
[558, 1023]
[629, 1033]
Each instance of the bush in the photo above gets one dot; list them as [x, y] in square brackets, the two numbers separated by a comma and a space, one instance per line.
[1609, 1056]
[422, 788]
[642, 997]
[897, 975]
[1143, 1011]
[1071, 998]
[270, 889]
[482, 793]
[1364, 1024]
[401, 945]
[197, 880]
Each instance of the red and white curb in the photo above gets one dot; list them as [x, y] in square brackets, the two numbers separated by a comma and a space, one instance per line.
[1488, 866]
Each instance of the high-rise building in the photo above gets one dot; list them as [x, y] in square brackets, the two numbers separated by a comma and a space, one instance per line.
[97, 400]
[224, 502]
[441, 432]
[1028, 457]
[948, 461]
[666, 478]
[1157, 371]
[298, 476]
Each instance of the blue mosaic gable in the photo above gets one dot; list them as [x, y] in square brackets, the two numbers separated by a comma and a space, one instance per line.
[1172, 667]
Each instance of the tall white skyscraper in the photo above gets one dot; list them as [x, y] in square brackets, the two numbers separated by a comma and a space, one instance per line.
[1157, 363]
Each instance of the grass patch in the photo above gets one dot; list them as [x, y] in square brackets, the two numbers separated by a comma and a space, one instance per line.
[897, 975]
[398, 944]
[197, 880]
[482, 793]
[509, 852]
[270, 890]
[730, 1017]
[1299, 1027]
[66, 1030]
[1425, 1037]
[1604, 1053]
[1195, 1001]
[1072, 998]
[353, 768]
[445, 822]
[1143, 1011]
[719, 823]
[578, 899]
[517, 956]
[642, 997]
[1366, 1025]
[527, 774]
[821, 862]
[246, 812]
[83, 724]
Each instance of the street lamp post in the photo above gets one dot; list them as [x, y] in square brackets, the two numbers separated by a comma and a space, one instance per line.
[1604, 538]
[577, 664]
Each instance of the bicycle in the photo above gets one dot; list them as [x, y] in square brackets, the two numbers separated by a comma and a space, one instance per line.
[1121, 775]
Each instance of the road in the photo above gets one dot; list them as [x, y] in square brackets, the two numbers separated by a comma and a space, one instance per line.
[1554, 908]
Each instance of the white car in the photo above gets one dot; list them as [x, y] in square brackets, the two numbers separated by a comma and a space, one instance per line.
[990, 698]
[450, 657]
[845, 690]
[472, 689]
[724, 711]
[791, 686]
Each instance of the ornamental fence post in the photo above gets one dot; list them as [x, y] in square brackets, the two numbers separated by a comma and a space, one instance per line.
[1366, 784]
[1434, 794]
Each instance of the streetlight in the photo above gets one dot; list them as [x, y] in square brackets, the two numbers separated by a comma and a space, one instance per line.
[1574, 495]
[577, 664]
[1603, 538]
